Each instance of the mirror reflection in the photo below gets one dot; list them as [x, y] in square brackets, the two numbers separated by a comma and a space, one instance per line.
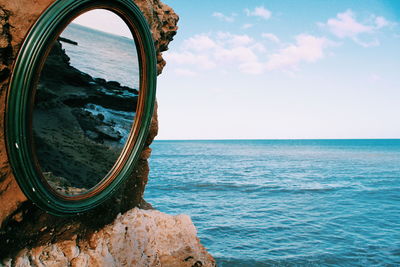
[85, 102]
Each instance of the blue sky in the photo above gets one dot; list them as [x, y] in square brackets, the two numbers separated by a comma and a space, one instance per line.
[282, 69]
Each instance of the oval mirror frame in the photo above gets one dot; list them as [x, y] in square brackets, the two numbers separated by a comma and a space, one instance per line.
[20, 98]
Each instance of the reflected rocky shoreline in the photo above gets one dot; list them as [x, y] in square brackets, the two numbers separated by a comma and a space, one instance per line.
[80, 123]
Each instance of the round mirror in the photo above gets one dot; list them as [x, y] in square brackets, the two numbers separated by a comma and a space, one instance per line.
[85, 102]
[80, 103]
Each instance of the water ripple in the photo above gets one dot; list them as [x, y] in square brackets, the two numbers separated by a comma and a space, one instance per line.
[266, 203]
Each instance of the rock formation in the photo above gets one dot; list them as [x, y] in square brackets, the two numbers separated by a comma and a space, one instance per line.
[138, 237]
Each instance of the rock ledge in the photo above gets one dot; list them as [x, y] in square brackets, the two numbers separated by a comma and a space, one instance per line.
[136, 238]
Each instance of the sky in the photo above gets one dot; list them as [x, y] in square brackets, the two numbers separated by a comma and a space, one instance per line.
[105, 21]
[294, 69]
[282, 70]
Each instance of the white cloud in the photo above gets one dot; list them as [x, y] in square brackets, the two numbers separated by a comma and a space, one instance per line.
[225, 51]
[243, 57]
[260, 11]
[345, 25]
[258, 47]
[308, 48]
[223, 17]
[239, 54]
[270, 36]
[234, 39]
[381, 22]
[247, 26]
[199, 42]
[222, 50]
[200, 60]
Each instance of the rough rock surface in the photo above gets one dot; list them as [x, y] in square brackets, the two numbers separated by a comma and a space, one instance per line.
[137, 238]
[26, 232]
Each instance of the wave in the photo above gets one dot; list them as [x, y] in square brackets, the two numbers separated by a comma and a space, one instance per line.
[283, 208]
[253, 187]
[121, 120]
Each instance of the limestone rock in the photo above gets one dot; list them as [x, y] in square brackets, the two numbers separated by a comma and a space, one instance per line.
[137, 238]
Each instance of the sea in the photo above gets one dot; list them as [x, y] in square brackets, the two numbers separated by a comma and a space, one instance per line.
[266, 202]
[284, 202]
[103, 55]
[107, 56]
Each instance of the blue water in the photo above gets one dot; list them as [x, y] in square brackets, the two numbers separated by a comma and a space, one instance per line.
[284, 203]
[103, 55]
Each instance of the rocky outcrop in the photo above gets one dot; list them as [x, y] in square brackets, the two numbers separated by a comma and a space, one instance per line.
[137, 238]
[31, 237]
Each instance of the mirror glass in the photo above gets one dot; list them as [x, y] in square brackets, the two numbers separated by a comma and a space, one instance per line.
[85, 102]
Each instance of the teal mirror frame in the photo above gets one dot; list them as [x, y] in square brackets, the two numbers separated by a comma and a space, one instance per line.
[20, 99]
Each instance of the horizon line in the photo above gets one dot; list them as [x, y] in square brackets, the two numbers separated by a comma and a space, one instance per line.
[97, 30]
[274, 139]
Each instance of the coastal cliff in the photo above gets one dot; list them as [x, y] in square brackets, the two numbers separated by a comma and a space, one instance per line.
[125, 230]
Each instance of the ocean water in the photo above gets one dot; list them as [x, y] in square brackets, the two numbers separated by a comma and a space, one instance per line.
[287, 202]
[103, 55]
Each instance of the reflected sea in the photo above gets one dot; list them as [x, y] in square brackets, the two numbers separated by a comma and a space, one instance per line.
[106, 56]
[103, 55]
[284, 202]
